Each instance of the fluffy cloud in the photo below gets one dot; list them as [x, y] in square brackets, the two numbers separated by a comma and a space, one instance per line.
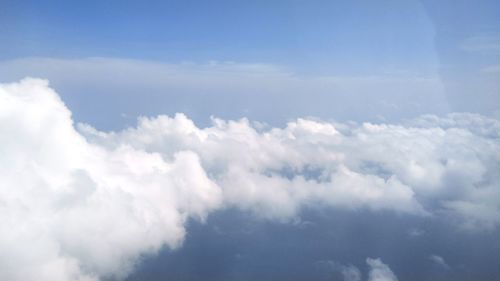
[82, 204]
[272, 172]
[71, 210]
[377, 270]
[380, 271]
[425, 166]
[350, 273]
[347, 272]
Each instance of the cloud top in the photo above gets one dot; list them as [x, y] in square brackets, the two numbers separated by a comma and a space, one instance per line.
[379, 271]
[83, 204]
[72, 210]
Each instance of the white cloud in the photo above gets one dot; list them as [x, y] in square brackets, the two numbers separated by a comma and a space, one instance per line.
[350, 273]
[438, 260]
[442, 161]
[71, 210]
[347, 272]
[379, 271]
[85, 204]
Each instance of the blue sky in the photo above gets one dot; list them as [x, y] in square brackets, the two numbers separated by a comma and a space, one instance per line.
[325, 33]
[361, 36]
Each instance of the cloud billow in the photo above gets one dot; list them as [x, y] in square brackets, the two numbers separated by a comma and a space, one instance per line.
[83, 204]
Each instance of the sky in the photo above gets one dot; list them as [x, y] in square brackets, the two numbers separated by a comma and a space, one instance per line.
[250, 140]
[404, 58]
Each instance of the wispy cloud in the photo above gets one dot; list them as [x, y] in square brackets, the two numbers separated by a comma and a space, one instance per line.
[438, 260]
[230, 90]
[488, 43]
[491, 69]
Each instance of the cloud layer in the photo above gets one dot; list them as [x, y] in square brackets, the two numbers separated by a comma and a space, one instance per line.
[82, 204]
[108, 92]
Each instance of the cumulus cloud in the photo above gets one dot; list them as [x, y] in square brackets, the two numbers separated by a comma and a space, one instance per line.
[351, 273]
[379, 271]
[423, 166]
[347, 272]
[71, 210]
[83, 204]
